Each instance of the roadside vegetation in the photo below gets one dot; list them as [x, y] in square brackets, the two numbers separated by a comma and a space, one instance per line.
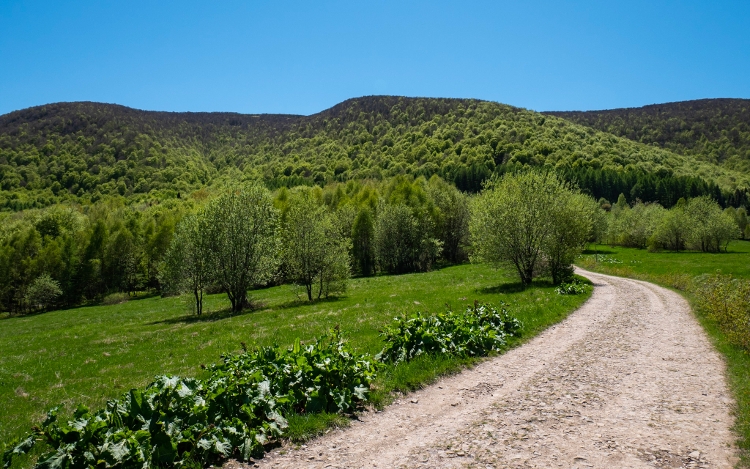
[92, 354]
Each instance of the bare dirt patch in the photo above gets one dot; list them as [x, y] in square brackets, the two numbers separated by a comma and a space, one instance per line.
[628, 380]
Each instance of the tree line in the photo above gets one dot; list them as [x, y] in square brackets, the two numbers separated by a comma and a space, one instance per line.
[243, 237]
[231, 240]
[697, 224]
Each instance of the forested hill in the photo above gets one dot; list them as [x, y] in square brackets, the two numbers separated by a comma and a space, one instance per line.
[86, 151]
[713, 130]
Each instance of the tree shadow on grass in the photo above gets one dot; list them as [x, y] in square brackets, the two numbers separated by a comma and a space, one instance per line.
[213, 316]
[205, 317]
[255, 307]
[599, 251]
[302, 302]
[513, 287]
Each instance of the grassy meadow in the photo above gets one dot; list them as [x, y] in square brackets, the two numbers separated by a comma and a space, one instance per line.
[90, 354]
[631, 262]
[675, 270]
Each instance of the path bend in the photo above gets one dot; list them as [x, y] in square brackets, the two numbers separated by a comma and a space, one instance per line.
[628, 380]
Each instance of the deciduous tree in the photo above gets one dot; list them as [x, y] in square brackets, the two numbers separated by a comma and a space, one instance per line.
[242, 239]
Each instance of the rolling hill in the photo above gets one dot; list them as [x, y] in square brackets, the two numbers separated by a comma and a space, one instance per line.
[712, 130]
[86, 151]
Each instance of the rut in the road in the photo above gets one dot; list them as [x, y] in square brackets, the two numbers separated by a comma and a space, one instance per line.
[628, 380]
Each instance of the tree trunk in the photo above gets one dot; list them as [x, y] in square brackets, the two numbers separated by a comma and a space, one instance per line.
[527, 276]
[238, 300]
[320, 291]
[198, 301]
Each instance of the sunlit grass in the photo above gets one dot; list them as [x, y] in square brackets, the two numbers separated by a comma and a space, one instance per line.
[91, 354]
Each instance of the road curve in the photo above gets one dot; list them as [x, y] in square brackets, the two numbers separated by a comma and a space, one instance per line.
[628, 380]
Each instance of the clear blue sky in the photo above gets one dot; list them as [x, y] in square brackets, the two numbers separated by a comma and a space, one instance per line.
[303, 57]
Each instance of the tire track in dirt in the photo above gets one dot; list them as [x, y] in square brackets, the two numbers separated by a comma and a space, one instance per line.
[628, 380]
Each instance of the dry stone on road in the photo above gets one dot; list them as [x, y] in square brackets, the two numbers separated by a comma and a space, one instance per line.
[628, 380]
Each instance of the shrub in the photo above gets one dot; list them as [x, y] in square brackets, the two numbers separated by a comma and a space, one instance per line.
[43, 292]
[532, 221]
[403, 241]
[315, 253]
[727, 301]
[575, 287]
[474, 332]
[633, 227]
[178, 422]
[712, 228]
[115, 298]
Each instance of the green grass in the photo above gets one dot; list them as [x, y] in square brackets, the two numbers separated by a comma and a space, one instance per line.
[305, 427]
[735, 262]
[671, 270]
[91, 354]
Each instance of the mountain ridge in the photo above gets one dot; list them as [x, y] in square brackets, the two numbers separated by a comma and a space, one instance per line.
[83, 149]
[715, 130]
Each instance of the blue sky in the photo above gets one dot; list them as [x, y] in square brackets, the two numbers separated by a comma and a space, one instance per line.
[303, 57]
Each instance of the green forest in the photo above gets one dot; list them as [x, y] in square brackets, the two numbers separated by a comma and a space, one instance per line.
[93, 194]
[712, 130]
[85, 152]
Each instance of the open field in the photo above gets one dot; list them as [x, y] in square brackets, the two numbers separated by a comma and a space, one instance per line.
[633, 261]
[91, 354]
[670, 269]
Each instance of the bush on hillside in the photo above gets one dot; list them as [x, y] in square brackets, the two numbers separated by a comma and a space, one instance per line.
[727, 301]
[476, 331]
[43, 292]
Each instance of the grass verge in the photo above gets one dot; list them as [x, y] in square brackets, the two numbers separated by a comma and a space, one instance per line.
[675, 271]
[91, 354]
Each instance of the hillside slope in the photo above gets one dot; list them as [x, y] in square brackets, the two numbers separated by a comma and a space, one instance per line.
[88, 150]
[713, 130]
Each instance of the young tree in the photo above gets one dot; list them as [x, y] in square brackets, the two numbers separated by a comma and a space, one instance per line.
[514, 221]
[622, 202]
[187, 262]
[363, 240]
[600, 222]
[711, 228]
[43, 292]
[157, 239]
[740, 217]
[742, 221]
[451, 218]
[241, 227]
[574, 216]
[315, 253]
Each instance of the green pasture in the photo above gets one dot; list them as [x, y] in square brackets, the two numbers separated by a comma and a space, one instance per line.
[90, 354]
[736, 261]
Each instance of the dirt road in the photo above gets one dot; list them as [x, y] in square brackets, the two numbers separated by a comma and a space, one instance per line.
[628, 380]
